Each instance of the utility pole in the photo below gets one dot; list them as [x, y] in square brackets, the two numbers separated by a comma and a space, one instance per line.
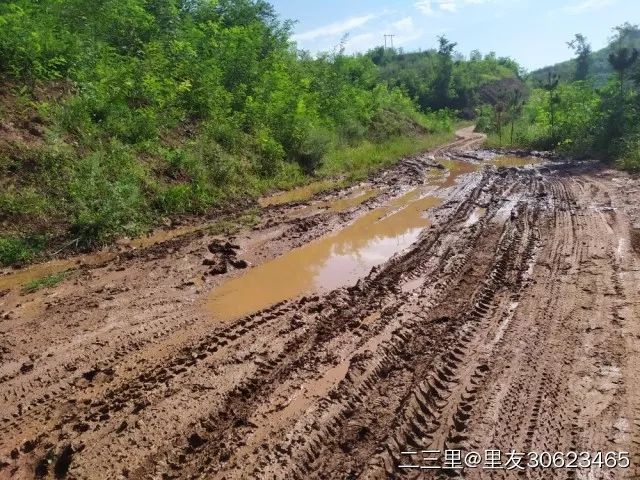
[391, 41]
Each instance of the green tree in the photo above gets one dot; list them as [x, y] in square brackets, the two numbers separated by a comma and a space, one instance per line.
[583, 56]
[622, 60]
[516, 102]
[442, 82]
[551, 86]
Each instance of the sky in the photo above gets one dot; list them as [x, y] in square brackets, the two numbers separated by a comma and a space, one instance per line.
[533, 32]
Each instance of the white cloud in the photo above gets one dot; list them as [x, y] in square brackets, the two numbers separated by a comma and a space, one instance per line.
[406, 31]
[425, 6]
[433, 7]
[587, 6]
[361, 42]
[336, 28]
[450, 6]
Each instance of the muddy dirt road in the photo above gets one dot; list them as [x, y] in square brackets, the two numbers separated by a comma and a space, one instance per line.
[447, 304]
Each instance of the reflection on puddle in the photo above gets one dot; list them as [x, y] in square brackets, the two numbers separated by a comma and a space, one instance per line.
[330, 262]
[338, 259]
[298, 194]
[22, 277]
[455, 168]
[513, 161]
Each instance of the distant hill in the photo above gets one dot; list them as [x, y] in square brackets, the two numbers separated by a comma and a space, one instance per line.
[600, 70]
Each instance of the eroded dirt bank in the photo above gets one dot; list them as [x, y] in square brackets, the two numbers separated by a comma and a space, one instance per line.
[471, 308]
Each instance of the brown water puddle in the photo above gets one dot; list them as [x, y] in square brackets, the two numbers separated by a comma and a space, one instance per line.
[22, 277]
[355, 200]
[337, 205]
[338, 259]
[455, 168]
[35, 272]
[298, 194]
[29, 274]
[513, 161]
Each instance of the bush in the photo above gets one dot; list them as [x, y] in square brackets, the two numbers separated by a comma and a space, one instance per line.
[153, 109]
[107, 197]
[630, 157]
[18, 251]
[312, 148]
[270, 154]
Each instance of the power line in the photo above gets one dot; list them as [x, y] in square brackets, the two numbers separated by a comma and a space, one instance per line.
[391, 40]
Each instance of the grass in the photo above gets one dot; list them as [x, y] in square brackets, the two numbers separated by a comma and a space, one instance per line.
[113, 193]
[360, 161]
[44, 282]
[493, 141]
[230, 226]
[19, 250]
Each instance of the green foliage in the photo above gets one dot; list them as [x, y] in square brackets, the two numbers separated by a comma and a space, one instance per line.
[18, 251]
[368, 157]
[629, 158]
[442, 79]
[583, 56]
[165, 107]
[45, 282]
[105, 190]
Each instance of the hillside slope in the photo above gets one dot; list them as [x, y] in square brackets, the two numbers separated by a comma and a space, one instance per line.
[600, 69]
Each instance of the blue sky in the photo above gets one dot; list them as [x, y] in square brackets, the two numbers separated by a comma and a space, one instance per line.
[534, 32]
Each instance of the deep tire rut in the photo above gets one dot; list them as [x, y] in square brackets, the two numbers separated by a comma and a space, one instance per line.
[509, 324]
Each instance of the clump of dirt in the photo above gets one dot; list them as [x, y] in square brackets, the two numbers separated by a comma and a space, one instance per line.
[635, 239]
[226, 255]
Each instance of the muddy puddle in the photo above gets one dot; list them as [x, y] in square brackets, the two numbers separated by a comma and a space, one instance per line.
[514, 161]
[475, 216]
[338, 259]
[26, 275]
[336, 205]
[20, 278]
[298, 194]
[354, 200]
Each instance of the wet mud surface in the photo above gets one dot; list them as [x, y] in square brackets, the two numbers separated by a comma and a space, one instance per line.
[454, 301]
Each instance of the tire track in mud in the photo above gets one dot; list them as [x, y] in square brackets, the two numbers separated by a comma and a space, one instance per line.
[498, 328]
[388, 353]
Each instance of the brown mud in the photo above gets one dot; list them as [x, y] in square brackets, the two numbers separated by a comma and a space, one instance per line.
[454, 301]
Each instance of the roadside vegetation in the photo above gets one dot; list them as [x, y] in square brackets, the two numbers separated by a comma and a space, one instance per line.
[44, 282]
[118, 114]
[595, 113]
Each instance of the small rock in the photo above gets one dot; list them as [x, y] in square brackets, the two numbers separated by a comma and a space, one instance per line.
[122, 427]
[240, 264]
[26, 367]
[196, 440]
[219, 269]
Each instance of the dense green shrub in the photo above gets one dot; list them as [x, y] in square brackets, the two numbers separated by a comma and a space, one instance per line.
[161, 107]
[20, 250]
